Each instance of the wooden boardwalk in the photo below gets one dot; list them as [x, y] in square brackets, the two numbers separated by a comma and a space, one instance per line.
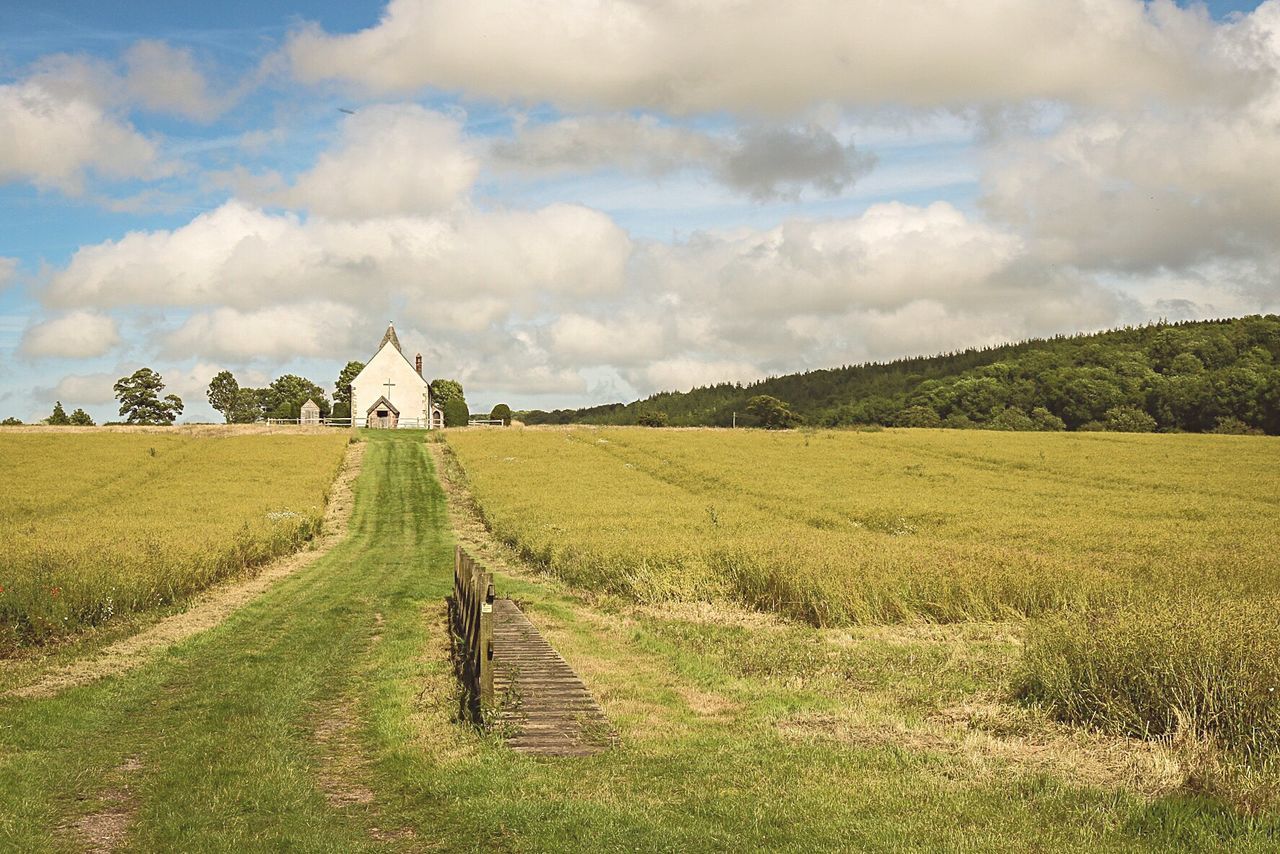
[542, 705]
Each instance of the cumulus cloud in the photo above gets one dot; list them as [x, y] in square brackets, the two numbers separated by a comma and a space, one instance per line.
[53, 138]
[392, 159]
[763, 162]
[84, 389]
[166, 79]
[242, 257]
[755, 56]
[278, 333]
[686, 372]
[1150, 188]
[80, 334]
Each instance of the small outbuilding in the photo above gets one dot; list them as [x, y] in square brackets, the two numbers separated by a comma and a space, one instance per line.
[310, 413]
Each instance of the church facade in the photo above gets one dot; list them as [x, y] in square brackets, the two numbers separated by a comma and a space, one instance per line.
[392, 393]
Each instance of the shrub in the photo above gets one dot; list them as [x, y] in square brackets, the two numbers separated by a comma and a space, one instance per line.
[1128, 419]
[959, 421]
[1200, 667]
[1234, 427]
[771, 413]
[456, 413]
[501, 412]
[917, 416]
[1011, 419]
[11, 422]
[1046, 421]
[652, 418]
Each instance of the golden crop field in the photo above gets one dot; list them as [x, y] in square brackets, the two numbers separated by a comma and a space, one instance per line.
[98, 524]
[1150, 562]
[838, 527]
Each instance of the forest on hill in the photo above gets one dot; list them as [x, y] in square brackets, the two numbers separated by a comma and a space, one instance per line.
[1202, 376]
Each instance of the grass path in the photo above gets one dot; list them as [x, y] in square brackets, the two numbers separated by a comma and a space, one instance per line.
[319, 717]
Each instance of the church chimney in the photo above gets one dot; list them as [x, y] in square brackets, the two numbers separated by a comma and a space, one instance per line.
[417, 363]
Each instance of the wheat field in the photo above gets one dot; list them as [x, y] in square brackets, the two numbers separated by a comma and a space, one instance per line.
[1149, 565]
[99, 524]
[840, 527]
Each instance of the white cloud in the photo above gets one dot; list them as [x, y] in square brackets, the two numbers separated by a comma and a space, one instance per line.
[277, 333]
[392, 159]
[1150, 188]
[687, 372]
[52, 139]
[85, 389]
[763, 162]
[166, 79]
[80, 334]
[580, 340]
[242, 257]
[8, 270]
[756, 56]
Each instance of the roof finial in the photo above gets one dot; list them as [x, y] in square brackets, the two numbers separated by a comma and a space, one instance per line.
[390, 336]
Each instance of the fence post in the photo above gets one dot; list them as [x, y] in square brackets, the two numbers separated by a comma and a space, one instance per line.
[485, 646]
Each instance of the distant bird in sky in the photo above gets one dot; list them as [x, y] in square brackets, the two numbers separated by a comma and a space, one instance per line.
[345, 110]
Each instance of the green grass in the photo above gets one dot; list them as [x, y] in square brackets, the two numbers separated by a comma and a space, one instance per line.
[731, 737]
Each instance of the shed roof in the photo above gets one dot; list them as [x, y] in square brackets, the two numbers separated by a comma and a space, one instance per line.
[310, 406]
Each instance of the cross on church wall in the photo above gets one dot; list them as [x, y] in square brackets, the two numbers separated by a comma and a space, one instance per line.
[389, 385]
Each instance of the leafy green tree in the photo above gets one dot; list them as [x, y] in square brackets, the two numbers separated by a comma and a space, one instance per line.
[771, 413]
[443, 391]
[140, 401]
[455, 413]
[920, 416]
[11, 422]
[501, 412]
[80, 418]
[342, 388]
[1011, 419]
[223, 393]
[652, 418]
[1129, 419]
[59, 417]
[284, 397]
[247, 407]
[959, 421]
[1044, 420]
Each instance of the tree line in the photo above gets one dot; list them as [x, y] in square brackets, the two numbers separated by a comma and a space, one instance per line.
[282, 398]
[1206, 376]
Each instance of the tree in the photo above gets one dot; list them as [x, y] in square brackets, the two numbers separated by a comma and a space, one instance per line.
[455, 413]
[1046, 421]
[247, 407]
[920, 416]
[443, 391]
[11, 422]
[80, 418]
[771, 413]
[342, 389]
[502, 413]
[223, 393]
[286, 394]
[59, 417]
[1129, 419]
[652, 418]
[140, 402]
[1011, 419]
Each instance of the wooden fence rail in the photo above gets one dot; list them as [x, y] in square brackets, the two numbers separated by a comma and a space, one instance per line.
[473, 624]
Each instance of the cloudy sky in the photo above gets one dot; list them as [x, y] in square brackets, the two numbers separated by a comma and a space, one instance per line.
[573, 202]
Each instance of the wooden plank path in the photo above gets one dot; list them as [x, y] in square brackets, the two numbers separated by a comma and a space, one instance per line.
[543, 707]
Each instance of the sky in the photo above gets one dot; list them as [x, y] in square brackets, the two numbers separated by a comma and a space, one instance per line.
[570, 202]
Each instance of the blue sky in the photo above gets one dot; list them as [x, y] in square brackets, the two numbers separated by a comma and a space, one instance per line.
[569, 203]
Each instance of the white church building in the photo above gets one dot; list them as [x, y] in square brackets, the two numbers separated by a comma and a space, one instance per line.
[390, 392]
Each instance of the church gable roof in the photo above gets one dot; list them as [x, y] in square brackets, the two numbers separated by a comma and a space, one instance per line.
[390, 336]
[379, 364]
